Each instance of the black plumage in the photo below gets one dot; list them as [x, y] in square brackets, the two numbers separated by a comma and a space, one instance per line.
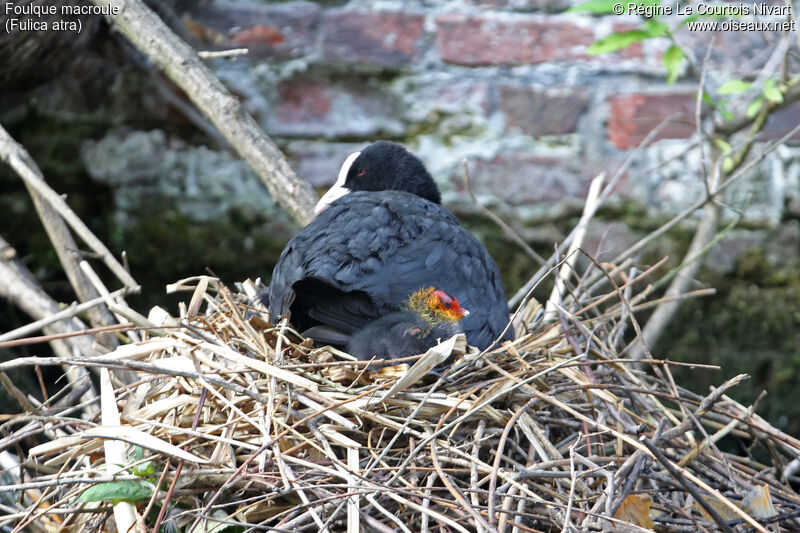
[364, 254]
[398, 335]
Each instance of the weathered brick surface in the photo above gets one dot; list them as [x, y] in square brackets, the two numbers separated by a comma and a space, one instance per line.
[521, 178]
[386, 39]
[277, 31]
[503, 40]
[429, 99]
[308, 107]
[538, 113]
[633, 116]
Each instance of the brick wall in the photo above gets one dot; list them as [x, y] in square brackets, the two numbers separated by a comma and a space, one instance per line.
[506, 84]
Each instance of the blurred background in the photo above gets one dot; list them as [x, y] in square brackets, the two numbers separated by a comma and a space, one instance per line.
[515, 87]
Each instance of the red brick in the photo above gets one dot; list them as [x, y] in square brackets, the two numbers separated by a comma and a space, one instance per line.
[508, 39]
[375, 38]
[307, 107]
[633, 116]
[281, 31]
[540, 113]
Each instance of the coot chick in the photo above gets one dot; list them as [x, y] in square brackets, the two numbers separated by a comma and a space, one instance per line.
[380, 235]
[429, 316]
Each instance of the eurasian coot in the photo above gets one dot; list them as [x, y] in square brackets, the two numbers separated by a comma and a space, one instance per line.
[380, 235]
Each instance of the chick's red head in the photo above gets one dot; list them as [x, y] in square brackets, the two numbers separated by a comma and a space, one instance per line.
[435, 305]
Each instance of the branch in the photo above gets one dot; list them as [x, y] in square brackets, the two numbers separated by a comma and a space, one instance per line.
[19, 287]
[67, 251]
[18, 158]
[179, 61]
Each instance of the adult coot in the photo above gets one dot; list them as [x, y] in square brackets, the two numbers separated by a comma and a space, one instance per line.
[429, 316]
[380, 235]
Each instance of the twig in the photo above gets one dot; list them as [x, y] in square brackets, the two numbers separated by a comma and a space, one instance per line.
[566, 268]
[214, 54]
[69, 312]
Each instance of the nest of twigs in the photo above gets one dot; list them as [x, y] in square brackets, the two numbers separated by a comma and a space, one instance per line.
[234, 424]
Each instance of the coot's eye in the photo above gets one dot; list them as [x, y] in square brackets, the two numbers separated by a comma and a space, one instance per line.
[361, 171]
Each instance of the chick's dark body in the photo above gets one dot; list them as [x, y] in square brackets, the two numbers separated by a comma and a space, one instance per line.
[361, 258]
[397, 335]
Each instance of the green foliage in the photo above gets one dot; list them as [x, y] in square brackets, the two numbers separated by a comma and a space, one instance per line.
[734, 87]
[133, 490]
[724, 147]
[600, 7]
[606, 7]
[673, 58]
[144, 469]
[726, 150]
[772, 92]
[617, 41]
[754, 107]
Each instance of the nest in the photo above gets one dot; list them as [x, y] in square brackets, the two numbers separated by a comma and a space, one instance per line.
[234, 423]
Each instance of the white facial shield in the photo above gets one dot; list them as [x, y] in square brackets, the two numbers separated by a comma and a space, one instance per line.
[338, 189]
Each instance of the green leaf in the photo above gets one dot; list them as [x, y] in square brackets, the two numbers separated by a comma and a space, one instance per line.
[116, 491]
[605, 7]
[145, 469]
[601, 7]
[617, 41]
[727, 115]
[673, 58]
[734, 87]
[754, 107]
[727, 165]
[773, 95]
[656, 28]
[771, 91]
[724, 147]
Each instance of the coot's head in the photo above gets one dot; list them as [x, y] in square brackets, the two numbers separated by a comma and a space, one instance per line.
[382, 166]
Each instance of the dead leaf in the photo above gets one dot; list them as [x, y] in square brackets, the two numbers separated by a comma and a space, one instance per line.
[635, 509]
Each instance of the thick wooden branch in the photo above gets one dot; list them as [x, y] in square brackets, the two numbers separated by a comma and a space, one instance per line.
[67, 251]
[180, 62]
